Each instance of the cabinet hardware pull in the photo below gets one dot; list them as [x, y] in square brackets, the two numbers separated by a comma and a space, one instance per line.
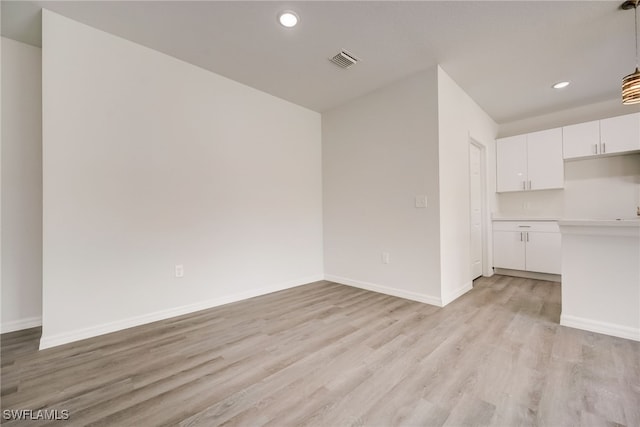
[604, 147]
[524, 185]
[527, 236]
[521, 236]
[524, 226]
[529, 184]
[595, 148]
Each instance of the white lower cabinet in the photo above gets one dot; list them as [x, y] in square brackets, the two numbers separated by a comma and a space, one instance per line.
[508, 250]
[543, 252]
[527, 246]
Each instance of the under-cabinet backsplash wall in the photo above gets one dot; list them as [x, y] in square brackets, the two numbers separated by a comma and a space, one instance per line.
[600, 188]
[542, 203]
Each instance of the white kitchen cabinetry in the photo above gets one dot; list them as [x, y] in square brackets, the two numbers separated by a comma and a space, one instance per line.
[620, 134]
[530, 162]
[512, 163]
[544, 251]
[544, 158]
[527, 246]
[600, 137]
[508, 250]
[581, 140]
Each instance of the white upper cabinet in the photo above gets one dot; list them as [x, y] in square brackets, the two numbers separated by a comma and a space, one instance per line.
[545, 164]
[530, 162]
[581, 140]
[512, 163]
[620, 134]
[608, 136]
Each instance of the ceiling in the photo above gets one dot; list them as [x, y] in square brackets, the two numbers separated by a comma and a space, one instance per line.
[504, 54]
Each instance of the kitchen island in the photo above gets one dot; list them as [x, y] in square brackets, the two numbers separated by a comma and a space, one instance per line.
[601, 276]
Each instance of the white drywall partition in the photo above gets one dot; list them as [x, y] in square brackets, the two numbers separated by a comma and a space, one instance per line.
[152, 163]
[380, 151]
[460, 120]
[21, 186]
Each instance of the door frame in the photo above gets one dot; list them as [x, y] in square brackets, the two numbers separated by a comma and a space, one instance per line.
[486, 270]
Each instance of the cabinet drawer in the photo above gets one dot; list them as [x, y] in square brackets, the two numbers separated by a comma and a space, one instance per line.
[540, 226]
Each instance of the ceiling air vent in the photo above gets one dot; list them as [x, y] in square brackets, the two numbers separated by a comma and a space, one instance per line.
[344, 59]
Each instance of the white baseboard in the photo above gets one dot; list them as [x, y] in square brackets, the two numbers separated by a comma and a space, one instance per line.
[79, 334]
[18, 325]
[414, 296]
[600, 327]
[452, 296]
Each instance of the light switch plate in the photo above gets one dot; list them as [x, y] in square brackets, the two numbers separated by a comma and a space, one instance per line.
[179, 270]
[421, 201]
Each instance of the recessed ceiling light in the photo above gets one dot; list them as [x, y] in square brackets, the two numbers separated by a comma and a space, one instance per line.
[288, 18]
[560, 85]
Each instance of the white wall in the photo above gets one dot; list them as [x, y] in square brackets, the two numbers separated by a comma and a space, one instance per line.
[570, 116]
[1, 186]
[21, 186]
[605, 188]
[151, 162]
[460, 120]
[538, 204]
[379, 152]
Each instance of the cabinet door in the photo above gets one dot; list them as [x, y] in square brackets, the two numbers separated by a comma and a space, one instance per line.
[545, 166]
[581, 140]
[620, 134]
[543, 252]
[511, 161]
[508, 250]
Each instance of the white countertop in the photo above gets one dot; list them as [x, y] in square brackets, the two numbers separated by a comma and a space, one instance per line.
[635, 222]
[495, 217]
[601, 227]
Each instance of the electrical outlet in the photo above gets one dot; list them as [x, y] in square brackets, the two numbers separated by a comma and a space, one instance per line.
[385, 257]
[421, 201]
[179, 270]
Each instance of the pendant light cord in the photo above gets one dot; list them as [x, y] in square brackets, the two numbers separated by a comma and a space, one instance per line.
[635, 11]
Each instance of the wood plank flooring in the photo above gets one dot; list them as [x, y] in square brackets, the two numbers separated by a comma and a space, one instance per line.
[331, 355]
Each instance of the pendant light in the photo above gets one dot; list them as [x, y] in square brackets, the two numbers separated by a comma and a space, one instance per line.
[631, 83]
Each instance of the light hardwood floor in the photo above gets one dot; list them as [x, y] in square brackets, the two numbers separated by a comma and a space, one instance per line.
[331, 355]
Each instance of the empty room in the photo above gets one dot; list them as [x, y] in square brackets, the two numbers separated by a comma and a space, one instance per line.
[323, 213]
